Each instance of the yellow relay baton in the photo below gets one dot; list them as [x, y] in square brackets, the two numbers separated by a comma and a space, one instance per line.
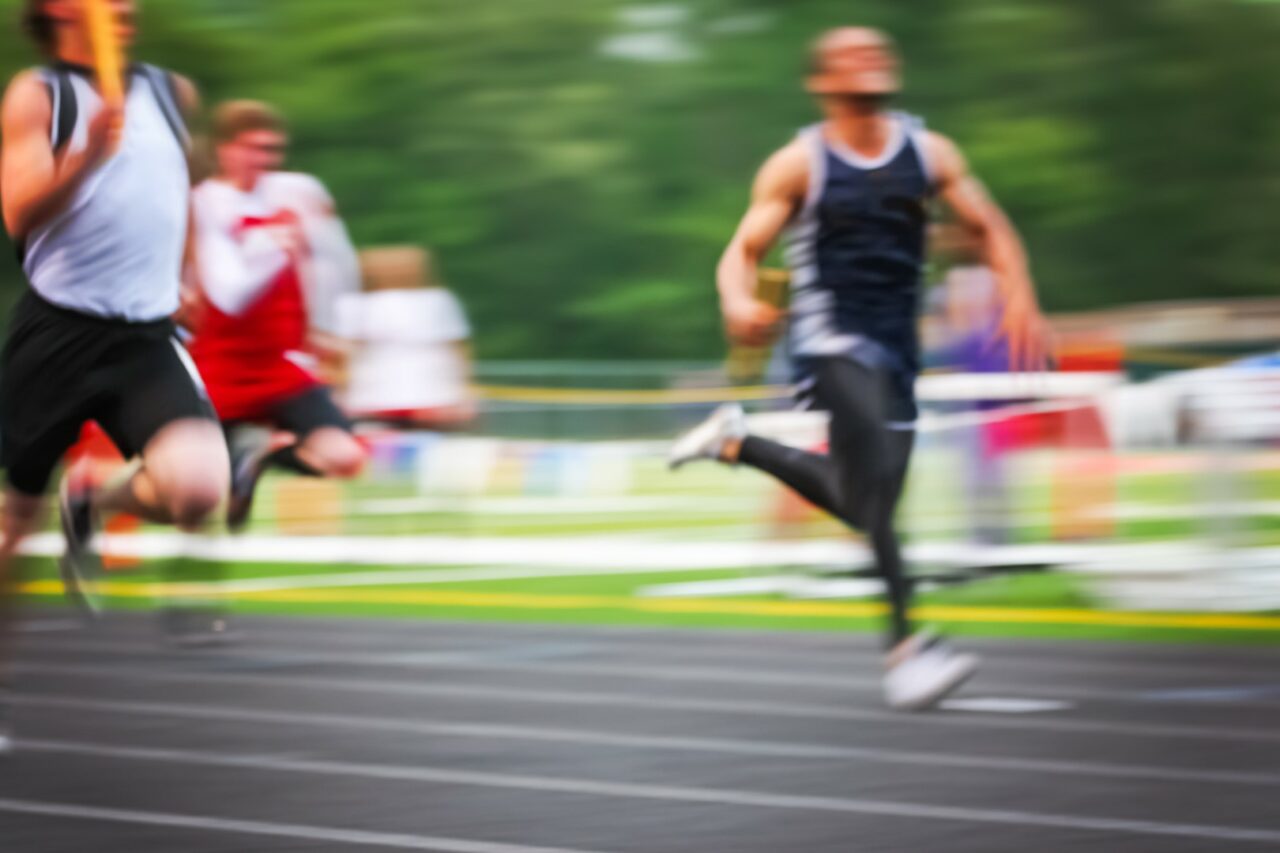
[108, 55]
[748, 364]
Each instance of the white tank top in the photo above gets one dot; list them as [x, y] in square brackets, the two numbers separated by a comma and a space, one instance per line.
[116, 249]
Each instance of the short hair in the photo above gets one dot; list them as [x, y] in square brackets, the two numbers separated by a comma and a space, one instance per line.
[39, 25]
[236, 117]
[817, 59]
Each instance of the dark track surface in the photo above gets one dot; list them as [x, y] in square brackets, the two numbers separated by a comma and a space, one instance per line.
[328, 735]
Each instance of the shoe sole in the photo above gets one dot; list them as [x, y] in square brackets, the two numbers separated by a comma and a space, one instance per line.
[240, 510]
[75, 585]
[945, 688]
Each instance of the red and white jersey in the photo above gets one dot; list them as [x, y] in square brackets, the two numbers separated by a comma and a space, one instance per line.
[251, 330]
[332, 266]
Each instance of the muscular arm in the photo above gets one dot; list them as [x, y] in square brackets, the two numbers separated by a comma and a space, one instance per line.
[35, 183]
[1023, 325]
[778, 193]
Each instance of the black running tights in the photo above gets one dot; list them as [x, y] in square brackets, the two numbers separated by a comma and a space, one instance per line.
[860, 480]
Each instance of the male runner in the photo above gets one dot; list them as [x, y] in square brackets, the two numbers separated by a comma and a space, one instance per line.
[853, 194]
[252, 328]
[97, 199]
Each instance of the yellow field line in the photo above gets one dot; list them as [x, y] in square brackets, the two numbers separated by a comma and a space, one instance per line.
[709, 607]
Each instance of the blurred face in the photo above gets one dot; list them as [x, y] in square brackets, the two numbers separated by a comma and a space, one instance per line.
[855, 62]
[70, 13]
[252, 154]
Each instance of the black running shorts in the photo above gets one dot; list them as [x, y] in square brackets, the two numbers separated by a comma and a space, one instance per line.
[62, 368]
[306, 412]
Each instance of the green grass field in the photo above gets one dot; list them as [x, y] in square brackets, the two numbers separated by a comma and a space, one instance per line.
[707, 504]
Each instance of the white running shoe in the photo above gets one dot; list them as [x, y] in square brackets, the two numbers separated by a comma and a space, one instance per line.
[923, 671]
[707, 439]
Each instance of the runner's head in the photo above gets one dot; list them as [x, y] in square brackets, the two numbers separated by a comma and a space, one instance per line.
[854, 62]
[250, 140]
[58, 28]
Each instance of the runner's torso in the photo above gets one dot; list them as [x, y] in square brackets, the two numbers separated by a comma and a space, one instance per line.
[256, 354]
[857, 251]
[116, 249]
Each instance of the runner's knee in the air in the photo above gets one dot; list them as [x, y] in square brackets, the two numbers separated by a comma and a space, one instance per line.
[333, 452]
[22, 516]
[188, 466]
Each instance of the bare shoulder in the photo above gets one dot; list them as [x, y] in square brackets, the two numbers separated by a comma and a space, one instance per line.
[188, 94]
[26, 101]
[948, 161]
[786, 172]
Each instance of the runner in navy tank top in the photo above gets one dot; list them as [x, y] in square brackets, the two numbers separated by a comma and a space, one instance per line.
[851, 195]
[857, 250]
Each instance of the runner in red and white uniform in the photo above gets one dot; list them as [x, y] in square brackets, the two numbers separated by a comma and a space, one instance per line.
[250, 313]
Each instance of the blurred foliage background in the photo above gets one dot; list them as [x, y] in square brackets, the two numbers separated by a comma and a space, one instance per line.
[578, 164]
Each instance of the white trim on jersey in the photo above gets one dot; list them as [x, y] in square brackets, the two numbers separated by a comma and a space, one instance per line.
[55, 114]
[916, 134]
[194, 372]
[801, 237]
[892, 148]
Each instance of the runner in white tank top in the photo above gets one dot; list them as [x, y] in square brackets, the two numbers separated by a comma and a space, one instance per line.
[115, 248]
[99, 208]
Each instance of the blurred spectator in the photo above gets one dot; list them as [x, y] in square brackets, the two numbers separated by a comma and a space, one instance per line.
[411, 359]
[971, 312]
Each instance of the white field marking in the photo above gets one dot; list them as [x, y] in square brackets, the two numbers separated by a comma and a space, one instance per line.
[407, 577]
[560, 505]
[670, 793]
[295, 831]
[603, 554]
[1004, 705]
[816, 751]
[660, 506]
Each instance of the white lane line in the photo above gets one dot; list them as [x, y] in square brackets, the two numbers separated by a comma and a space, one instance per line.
[670, 793]
[839, 686]
[837, 683]
[580, 736]
[318, 640]
[491, 662]
[294, 831]
[1004, 705]
[531, 695]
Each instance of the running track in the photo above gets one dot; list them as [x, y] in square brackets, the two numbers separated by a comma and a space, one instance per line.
[326, 735]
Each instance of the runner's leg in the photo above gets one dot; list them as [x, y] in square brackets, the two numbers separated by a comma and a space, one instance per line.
[860, 480]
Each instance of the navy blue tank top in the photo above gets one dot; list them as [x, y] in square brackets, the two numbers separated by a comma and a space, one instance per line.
[857, 254]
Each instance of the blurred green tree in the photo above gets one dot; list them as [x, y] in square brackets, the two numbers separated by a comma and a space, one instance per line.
[578, 164]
